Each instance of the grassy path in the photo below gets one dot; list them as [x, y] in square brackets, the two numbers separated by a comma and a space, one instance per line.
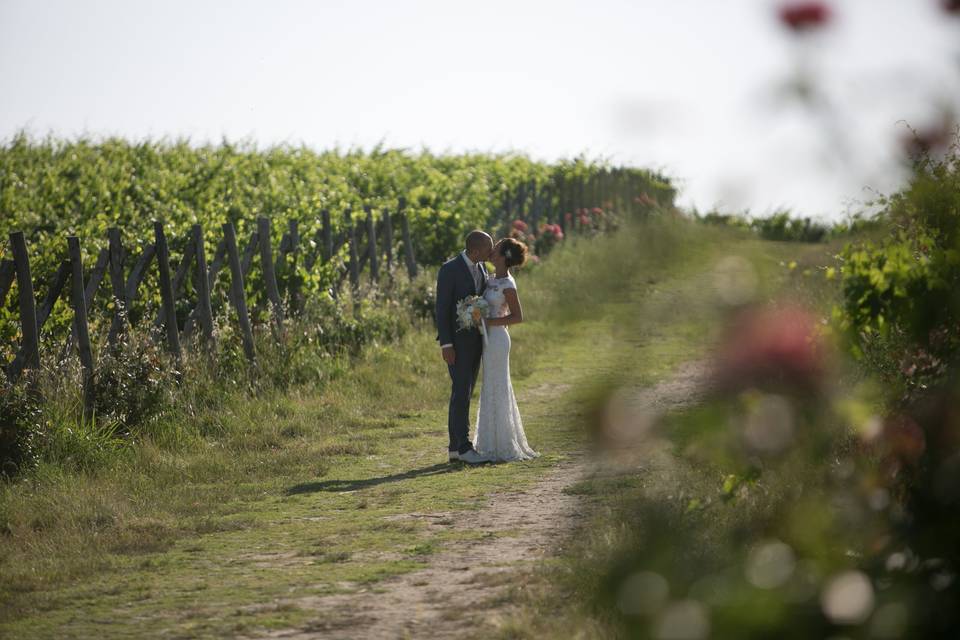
[313, 508]
[288, 538]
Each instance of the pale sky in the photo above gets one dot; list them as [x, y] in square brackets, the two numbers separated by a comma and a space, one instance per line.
[690, 87]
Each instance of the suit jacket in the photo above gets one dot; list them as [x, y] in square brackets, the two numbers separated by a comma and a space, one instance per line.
[454, 283]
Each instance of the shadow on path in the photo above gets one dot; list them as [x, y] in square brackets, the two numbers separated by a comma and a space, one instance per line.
[353, 485]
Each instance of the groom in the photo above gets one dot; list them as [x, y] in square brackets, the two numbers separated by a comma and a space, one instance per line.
[462, 276]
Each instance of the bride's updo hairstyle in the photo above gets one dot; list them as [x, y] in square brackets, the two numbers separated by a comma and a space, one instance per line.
[514, 251]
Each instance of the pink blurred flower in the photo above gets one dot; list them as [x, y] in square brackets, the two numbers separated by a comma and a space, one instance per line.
[769, 346]
[804, 16]
[519, 225]
[597, 211]
[584, 219]
[552, 230]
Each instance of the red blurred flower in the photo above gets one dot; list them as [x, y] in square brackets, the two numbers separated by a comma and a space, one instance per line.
[778, 347]
[932, 138]
[803, 16]
[904, 439]
[597, 211]
[519, 225]
[568, 217]
[584, 219]
[551, 230]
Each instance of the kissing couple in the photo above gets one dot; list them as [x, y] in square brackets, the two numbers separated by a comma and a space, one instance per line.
[499, 433]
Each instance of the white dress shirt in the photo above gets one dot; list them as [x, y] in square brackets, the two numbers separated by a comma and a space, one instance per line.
[474, 268]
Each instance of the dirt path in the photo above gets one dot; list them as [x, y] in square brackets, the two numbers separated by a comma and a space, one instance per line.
[463, 589]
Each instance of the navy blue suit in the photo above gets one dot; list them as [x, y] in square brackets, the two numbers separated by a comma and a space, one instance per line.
[454, 283]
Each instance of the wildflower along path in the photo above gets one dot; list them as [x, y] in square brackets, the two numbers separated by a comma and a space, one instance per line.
[333, 513]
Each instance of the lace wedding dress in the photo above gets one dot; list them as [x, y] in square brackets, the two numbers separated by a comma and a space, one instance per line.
[499, 432]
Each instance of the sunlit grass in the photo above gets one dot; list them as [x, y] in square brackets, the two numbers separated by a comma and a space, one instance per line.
[294, 492]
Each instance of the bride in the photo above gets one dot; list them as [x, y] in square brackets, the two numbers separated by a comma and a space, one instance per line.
[500, 436]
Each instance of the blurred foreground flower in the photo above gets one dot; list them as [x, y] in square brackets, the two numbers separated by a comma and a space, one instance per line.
[951, 6]
[933, 138]
[804, 16]
[777, 348]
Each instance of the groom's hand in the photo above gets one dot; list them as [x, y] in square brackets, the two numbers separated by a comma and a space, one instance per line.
[449, 356]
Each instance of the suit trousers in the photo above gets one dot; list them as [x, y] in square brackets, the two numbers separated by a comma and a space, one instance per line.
[463, 377]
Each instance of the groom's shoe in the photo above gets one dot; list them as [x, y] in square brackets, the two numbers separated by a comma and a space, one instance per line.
[472, 457]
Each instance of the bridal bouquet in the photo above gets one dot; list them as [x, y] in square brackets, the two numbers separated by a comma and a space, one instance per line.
[470, 314]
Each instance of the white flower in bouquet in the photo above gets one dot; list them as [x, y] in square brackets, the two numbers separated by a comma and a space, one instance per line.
[471, 312]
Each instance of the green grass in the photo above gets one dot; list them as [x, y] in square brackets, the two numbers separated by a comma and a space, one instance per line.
[297, 493]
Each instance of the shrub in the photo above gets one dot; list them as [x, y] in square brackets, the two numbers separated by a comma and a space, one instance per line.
[901, 301]
[20, 423]
[132, 383]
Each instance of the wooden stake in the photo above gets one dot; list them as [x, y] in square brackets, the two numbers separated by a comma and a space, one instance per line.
[204, 310]
[407, 242]
[372, 249]
[117, 326]
[269, 277]
[168, 310]
[80, 324]
[28, 310]
[237, 295]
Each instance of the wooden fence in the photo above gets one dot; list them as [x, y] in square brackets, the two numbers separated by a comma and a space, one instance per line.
[370, 244]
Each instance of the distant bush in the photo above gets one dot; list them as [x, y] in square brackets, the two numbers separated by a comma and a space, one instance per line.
[779, 226]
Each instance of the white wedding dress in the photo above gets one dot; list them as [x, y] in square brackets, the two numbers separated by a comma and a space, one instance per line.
[499, 432]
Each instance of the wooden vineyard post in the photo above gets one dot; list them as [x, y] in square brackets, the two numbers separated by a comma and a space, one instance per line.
[535, 207]
[581, 202]
[564, 198]
[53, 292]
[28, 309]
[388, 241]
[407, 242]
[249, 251]
[354, 259]
[327, 237]
[180, 276]
[204, 309]
[138, 272]
[269, 276]
[168, 310]
[237, 295]
[80, 325]
[293, 282]
[117, 286]
[56, 286]
[372, 247]
[93, 283]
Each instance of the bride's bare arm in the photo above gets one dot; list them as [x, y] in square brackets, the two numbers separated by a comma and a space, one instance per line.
[516, 312]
